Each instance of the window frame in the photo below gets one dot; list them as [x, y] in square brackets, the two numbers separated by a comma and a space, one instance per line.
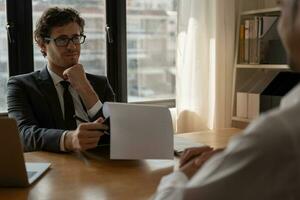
[117, 48]
[20, 47]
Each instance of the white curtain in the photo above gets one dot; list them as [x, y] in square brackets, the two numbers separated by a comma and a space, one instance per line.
[205, 60]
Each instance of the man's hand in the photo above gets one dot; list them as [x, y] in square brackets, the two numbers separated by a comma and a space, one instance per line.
[192, 165]
[86, 136]
[77, 78]
[191, 153]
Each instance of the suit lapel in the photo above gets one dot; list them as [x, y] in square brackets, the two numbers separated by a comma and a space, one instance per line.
[94, 85]
[47, 88]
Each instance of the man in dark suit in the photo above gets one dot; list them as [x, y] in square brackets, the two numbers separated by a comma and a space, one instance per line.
[44, 102]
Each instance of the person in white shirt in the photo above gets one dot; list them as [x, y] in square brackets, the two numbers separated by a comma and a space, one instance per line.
[263, 162]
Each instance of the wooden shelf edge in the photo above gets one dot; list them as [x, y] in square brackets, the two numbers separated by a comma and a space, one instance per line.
[240, 119]
[258, 66]
[261, 11]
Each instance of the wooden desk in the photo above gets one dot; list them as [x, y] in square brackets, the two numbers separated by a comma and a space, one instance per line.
[72, 177]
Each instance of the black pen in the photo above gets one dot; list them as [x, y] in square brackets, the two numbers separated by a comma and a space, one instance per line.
[84, 121]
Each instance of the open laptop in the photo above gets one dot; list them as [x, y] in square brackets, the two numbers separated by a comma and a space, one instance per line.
[13, 170]
[142, 132]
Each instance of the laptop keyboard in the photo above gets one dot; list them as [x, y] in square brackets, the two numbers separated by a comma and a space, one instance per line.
[30, 174]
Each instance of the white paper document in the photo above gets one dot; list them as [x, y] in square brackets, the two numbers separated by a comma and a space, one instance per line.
[140, 131]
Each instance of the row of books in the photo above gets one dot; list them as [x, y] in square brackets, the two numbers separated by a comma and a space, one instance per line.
[259, 41]
[265, 93]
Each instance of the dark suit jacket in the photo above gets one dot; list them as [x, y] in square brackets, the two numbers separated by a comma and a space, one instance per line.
[32, 100]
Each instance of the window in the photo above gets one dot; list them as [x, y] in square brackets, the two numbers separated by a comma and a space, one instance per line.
[3, 57]
[151, 49]
[93, 51]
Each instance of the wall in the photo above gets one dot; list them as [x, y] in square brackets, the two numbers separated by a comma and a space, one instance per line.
[270, 3]
[256, 4]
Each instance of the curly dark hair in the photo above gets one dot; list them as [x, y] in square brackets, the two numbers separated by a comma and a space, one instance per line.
[54, 17]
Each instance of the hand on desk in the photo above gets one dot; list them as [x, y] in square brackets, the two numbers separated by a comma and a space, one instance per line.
[192, 159]
[86, 136]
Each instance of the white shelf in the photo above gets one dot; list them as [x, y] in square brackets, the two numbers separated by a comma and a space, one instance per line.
[262, 11]
[244, 74]
[240, 119]
[258, 66]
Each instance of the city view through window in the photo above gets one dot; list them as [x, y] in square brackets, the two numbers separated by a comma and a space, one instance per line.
[151, 45]
[3, 57]
[151, 49]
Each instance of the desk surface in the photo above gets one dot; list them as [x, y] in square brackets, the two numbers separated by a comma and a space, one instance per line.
[73, 177]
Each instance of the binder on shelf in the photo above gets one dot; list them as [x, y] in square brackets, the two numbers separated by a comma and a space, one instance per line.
[247, 26]
[242, 96]
[267, 31]
[241, 58]
[280, 86]
[263, 80]
[276, 53]
[241, 104]
[266, 23]
[253, 34]
[270, 46]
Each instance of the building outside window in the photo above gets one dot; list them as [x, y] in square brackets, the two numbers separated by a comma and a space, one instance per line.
[151, 49]
[3, 57]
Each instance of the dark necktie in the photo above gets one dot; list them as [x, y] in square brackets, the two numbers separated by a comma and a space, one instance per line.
[70, 122]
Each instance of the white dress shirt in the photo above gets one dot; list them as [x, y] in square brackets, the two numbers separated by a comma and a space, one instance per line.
[263, 163]
[79, 110]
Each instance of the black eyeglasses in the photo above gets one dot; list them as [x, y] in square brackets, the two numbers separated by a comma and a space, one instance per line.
[64, 41]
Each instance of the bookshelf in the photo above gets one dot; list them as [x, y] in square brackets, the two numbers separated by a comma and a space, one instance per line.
[259, 57]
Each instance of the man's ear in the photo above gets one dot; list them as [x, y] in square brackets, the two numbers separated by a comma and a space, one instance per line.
[43, 48]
